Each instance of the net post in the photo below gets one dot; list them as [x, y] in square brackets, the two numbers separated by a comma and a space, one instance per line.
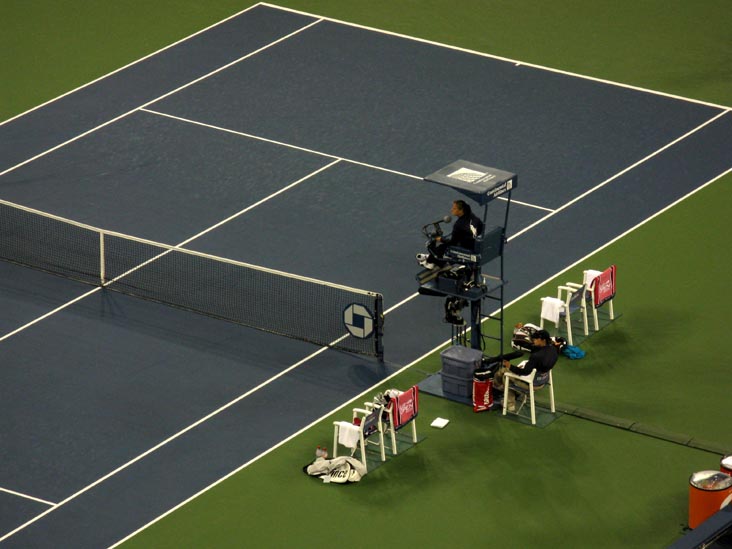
[379, 332]
[102, 274]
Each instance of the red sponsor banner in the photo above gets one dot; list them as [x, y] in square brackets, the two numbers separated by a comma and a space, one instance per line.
[604, 285]
[482, 395]
[406, 407]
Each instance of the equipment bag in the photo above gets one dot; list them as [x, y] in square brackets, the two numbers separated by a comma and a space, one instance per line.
[482, 393]
[573, 352]
[521, 340]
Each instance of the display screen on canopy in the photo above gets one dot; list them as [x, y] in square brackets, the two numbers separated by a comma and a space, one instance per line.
[479, 183]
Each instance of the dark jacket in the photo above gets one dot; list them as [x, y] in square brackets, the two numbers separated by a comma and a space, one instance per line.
[542, 359]
[462, 232]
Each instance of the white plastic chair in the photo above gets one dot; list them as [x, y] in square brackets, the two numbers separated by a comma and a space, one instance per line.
[402, 410]
[370, 424]
[596, 296]
[597, 293]
[533, 385]
[570, 299]
[377, 419]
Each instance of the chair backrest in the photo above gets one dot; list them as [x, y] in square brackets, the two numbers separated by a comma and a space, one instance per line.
[370, 423]
[541, 379]
[574, 299]
[603, 286]
[405, 407]
[490, 245]
[487, 247]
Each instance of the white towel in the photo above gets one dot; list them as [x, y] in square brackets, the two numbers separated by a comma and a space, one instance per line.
[550, 308]
[590, 276]
[348, 434]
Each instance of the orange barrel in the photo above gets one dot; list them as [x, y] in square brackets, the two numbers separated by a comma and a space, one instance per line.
[709, 491]
[726, 464]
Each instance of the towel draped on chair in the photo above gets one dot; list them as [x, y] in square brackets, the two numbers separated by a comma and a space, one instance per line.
[348, 434]
[550, 308]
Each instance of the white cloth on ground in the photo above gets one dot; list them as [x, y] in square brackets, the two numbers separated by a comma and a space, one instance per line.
[338, 470]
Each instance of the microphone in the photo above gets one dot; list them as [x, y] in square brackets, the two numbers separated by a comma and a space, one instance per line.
[436, 225]
[445, 219]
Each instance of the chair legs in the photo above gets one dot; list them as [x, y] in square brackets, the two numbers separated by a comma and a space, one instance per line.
[530, 397]
[568, 324]
[551, 393]
[533, 404]
[594, 318]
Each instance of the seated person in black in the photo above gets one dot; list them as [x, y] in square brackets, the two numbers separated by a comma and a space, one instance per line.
[542, 359]
[466, 229]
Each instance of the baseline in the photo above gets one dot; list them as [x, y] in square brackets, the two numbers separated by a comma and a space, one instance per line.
[498, 57]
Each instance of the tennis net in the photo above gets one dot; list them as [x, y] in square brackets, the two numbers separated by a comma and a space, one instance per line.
[281, 303]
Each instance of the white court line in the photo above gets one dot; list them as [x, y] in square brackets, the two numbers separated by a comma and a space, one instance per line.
[527, 204]
[176, 90]
[202, 420]
[499, 58]
[164, 442]
[87, 294]
[324, 348]
[312, 151]
[372, 29]
[56, 310]
[128, 65]
[620, 173]
[26, 496]
[424, 356]
[600, 185]
[262, 201]
[186, 241]
[275, 142]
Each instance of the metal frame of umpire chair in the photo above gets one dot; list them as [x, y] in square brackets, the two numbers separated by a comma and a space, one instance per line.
[484, 185]
[534, 384]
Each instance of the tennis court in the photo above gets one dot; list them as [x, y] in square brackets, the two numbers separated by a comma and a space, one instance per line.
[297, 143]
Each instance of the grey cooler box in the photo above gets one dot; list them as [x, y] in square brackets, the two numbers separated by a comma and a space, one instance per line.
[458, 365]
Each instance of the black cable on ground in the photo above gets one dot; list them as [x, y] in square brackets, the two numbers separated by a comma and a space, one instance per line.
[641, 428]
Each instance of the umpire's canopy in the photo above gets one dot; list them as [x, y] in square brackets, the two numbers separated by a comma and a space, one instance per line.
[479, 183]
